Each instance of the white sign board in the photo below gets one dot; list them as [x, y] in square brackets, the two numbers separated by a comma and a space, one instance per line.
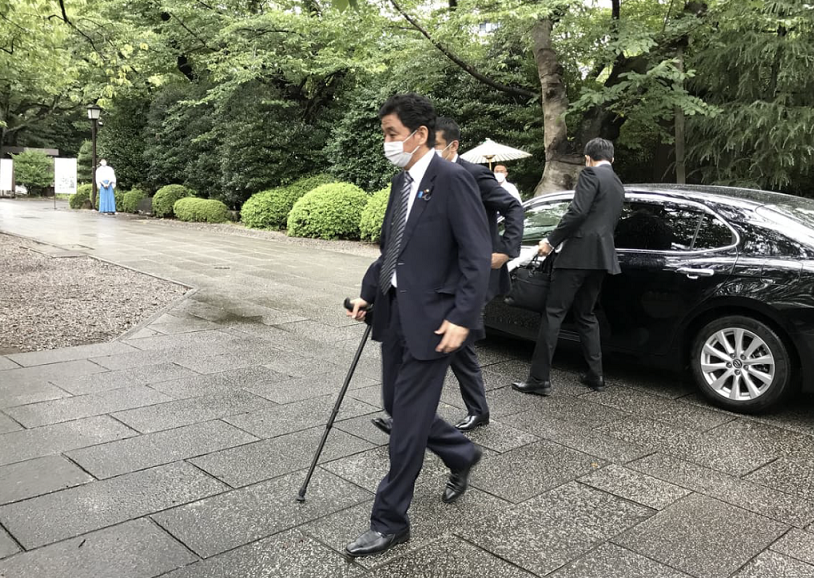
[65, 176]
[6, 171]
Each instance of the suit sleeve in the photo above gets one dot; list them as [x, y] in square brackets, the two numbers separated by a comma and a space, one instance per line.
[471, 231]
[370, 282]
[587, 187]
[496, 198]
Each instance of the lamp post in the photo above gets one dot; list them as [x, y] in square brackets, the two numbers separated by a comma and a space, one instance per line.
[93, 114]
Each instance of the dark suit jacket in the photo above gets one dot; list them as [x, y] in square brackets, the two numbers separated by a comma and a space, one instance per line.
[496, 200]
[588, 225]
[443, 266]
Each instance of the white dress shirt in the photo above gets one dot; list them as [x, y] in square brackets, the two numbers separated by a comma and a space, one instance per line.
[512, 190]
[416, 173]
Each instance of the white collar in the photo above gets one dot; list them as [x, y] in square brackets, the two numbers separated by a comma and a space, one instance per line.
[455, 158]
[600, 163]
[417, 171]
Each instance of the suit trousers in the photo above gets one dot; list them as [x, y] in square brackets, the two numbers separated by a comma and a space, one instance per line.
[411, 390]
[570, 287]
[467, 370]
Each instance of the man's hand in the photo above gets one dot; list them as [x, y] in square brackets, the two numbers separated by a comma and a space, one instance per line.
[454, 336]
[499, 259]
[544, 248]
[358, 312]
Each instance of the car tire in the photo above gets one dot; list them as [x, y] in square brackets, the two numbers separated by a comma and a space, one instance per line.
[741, 364]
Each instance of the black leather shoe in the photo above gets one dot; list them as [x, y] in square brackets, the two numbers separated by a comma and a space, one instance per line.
[459, 481]
[597, 384]
[470, 422]
[383, 423]
[373, 542]
[531, 386]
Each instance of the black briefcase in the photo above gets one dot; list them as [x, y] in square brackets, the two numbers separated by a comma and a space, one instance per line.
[530, 285]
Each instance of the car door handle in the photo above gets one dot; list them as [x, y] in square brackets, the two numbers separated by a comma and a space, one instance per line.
[696, 273]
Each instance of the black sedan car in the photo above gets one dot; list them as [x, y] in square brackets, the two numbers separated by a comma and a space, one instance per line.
[715, 278]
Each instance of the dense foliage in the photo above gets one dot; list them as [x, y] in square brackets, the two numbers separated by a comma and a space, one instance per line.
[269, 209]
[370, 226]
[35, 170]
[165, 198]
[82, 194]
[131, 200]
[328, 212]
[201, 210]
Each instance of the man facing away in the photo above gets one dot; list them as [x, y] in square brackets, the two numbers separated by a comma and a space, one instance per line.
[586, 252]
[496, 200]
[502, 175]
[428, 287]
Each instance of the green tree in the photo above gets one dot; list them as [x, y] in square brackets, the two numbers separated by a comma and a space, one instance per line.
[35, 170]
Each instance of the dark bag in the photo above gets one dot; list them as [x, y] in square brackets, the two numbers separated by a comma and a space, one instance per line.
[530, 285]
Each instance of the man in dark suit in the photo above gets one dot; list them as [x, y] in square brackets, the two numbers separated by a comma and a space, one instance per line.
[496, 200]
[428, 287]
[583, 241]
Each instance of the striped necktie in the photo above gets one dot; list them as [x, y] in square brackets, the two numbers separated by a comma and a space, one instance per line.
[397, 226]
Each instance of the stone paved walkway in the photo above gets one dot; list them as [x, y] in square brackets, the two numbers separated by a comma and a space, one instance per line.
[178, 450]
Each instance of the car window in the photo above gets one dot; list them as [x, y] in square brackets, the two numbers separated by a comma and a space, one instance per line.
[657, 227]
[541, 220]
[713, 234]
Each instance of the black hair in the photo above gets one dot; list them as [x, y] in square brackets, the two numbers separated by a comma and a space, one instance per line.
[449, 127]
[599, 149]
[414, 111]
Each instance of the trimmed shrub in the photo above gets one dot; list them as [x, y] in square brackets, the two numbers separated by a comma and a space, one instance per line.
[328, 212]
[201, 210]
[119, 196]
[82, 194]
[131, 200]
[270, 209]
[165, 199]
[370, 225]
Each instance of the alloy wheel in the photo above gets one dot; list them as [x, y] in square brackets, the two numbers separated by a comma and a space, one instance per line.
[737, 364]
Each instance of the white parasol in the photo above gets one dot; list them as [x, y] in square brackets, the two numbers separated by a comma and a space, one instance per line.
[491, 152]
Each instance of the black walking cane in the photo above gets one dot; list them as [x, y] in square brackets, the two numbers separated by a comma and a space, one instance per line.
[342, 392]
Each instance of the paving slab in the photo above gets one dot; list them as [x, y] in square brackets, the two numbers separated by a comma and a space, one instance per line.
[554, 528]
[47, 519]
[14, 394]
[79, 352]
[635, 486]
[329, 383]
[289, 554]
[797, 544]
[783, 507]
[7, 546]
[520, 474]
[146, 375]
[362, 428]
[82, 406]
[149, 450]
[214, 525]
[42, 373]
[6, 363]
[703, 536]
[450, 558]
[193, 410]
[7, 424]
[168, 355]
[55, 439]
[267, 459]
[225, 382]
[183, 340]
[611, 560]
[431, 521]
[292, 417]
[39, 476]
[792, 475]
[137, 549]
[773, 565]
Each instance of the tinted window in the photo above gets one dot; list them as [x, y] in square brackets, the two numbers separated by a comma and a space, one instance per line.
[541, 220]
[657, 227]
[712, 234]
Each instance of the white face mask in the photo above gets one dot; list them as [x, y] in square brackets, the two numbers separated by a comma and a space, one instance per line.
[443, 151]
[395, 153]
[501, 177]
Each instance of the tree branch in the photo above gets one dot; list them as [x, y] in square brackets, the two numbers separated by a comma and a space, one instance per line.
[516, 91]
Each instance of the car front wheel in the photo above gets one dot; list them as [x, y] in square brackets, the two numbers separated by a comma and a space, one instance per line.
[741, 364]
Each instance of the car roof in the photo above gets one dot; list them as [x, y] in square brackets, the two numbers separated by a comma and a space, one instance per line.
[734, 196]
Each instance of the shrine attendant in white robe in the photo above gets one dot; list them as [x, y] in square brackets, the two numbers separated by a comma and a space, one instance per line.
[106, 181]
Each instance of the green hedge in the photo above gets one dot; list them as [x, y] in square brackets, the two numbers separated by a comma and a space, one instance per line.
[119, 196]
[328, 212]
[270, 209]
[165, 199]
[201, 210]
[370, 225]
[131, 200]
[82, 194]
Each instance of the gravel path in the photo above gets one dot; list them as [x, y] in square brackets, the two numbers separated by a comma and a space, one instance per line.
[47, 302]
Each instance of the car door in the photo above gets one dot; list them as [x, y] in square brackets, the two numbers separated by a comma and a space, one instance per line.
[673, 254]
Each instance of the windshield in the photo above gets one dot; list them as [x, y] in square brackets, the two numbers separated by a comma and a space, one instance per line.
[794, 217]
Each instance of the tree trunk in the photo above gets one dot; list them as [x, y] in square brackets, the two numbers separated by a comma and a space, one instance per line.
[562, 162]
